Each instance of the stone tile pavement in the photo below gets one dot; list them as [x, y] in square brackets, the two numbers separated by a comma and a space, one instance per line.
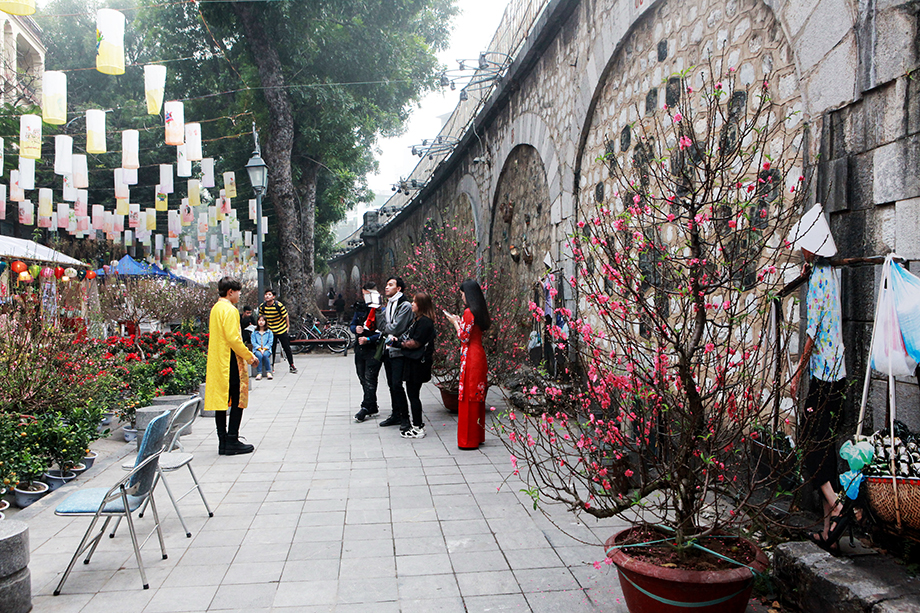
[331, 515]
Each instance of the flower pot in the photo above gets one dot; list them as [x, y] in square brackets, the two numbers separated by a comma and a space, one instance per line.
[30, 493]
[107, 418]
[648, 588]
[130, 434]
[4, 504]
[89, 458]
[57, 478]
[78, 469]
[450, 398]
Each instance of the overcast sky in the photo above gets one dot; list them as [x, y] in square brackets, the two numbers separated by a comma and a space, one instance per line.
[473, 30]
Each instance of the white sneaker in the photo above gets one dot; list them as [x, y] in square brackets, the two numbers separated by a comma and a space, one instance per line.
[269, 376]
[414, 432]
[259, 377]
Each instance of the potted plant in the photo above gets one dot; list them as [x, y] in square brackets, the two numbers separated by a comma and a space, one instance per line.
[670, 346]
[28, 461]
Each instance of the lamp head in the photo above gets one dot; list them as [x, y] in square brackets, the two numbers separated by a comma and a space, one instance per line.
[258, 172]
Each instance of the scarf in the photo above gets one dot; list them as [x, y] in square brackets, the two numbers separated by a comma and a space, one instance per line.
[391, 306]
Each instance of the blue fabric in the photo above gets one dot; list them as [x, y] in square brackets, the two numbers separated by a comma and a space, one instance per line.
[262, 339]
[87, 501]
[152, 442]
[265, 361]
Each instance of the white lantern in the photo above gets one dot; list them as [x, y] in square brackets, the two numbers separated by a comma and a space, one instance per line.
[70, 192]
[130, 140]
[183, 165]
[173, 224]
[119, 223]
[162, 204]
[16, 192]
[129, 176]
[212, 216]
[46, 221]
[2, 202]
[95, 131]
[230, 184]
[110, 42]
[121, 188]
[26, 213]
[26, 173]
[187, 215]
[225, 203]
[44, 202]
[175, 122]
[30, 136]
[1, 155]
[166, 178]
[252, 210]
[193, 141]
[79, 205]
[154, 86]
[98, 217]
[129, 238]
[80, 171]
[207, 172]
[194, 192]
[54, 97]
[134, 213]
[63, 215]
[18, 7]
[63, 154]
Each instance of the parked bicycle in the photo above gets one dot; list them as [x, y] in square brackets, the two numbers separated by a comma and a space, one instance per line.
[338, 337]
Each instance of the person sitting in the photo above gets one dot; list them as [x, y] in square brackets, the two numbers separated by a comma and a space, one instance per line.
[262, 340]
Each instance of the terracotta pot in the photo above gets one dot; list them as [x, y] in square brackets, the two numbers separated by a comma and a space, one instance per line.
[450, 398]
[654, 589]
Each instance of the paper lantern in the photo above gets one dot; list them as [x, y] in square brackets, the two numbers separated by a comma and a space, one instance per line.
[18, 7]
[162, 204]
[134, 212]
[2, 143]
[175, 122]
[16, 192]
[70, 272]
[152, 219]
[166, 178]
[98, 217]
[25, 277]
[187, 215]
[2, 204]
[95, 131]
[129, 149]
[81, 274]
[63, 215]
[129, 238]
[110, 42]
[30, 136]
[129, 176]
[2, 267]
[183, 165]
[44, 202]
[18, 267]
[59, 272]
[230, 184]
[91, 274]
[54, 97]
[26, 173]
[34, 270]
[194, 192]
[121, 206]
[79, 205]
[193, 141]
[80, 173]
[63, 154]
[154, 86]
[207, 172]
[121, 188]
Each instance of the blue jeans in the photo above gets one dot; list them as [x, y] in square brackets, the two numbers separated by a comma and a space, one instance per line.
[265, 361]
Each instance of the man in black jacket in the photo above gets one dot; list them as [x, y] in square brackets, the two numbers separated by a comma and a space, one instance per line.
[397, 315]
[364, 326]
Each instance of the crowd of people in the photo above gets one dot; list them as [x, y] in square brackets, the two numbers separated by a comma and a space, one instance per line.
[392, 332]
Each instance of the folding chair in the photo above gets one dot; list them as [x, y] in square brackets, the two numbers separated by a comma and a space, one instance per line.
[171, 461]
[121, 500]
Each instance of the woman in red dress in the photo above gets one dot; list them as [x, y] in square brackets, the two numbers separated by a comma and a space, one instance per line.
[473, 366]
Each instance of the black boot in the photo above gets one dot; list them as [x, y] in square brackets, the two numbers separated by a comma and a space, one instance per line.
[233, 446]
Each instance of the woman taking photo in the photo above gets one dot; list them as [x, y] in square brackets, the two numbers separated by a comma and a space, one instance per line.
[417, 345]
[262, 339]
[473, 366]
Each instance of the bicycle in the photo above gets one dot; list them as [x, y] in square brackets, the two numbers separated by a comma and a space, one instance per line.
[339, 336]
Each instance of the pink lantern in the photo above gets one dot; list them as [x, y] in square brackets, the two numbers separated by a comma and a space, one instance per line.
[47, 273]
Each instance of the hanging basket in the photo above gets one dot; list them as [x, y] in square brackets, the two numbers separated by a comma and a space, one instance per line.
[886, 505]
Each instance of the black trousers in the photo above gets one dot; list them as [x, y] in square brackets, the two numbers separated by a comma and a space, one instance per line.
[821, 426]
[368, 370]
[236, 413]
[395, 368]
[416, 373]
[285, 341]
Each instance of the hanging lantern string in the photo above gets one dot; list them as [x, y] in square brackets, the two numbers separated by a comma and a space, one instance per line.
[79, 115]
[146, 6]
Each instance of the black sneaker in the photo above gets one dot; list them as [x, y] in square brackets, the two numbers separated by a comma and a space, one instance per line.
[293, 370]
[405, 426]
[392, 420]
[233, 446]
[364, 414]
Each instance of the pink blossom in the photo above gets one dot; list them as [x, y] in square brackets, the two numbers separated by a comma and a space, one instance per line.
[684, 142]
[677, 117]
[629, 473]
[710, 347]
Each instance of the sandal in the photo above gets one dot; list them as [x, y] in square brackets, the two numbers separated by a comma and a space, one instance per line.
[832, 548]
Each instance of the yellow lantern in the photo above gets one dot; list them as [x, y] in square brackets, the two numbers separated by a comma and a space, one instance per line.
[54, 97]
[110, 42]
[121, 206]
[95, 131]
[30, 137]
[193, 141]
[18, 7]
[194, 192]
[129, 149]
[162, 204]
[230, 184]
[44, 202]
[154, 86]
[151, 219]
[63, 154]
[175, 122]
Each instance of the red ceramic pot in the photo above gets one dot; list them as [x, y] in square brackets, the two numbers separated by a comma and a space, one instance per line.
[648, 588]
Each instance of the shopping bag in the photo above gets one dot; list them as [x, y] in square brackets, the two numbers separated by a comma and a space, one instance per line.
[907, 304]
[888, 352]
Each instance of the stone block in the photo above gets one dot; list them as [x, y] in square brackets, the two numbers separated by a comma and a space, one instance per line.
[170, 401]
[894, 40]
[823, 31]
[895, 174]
[859, 183]
[835, 179]
[907, 228]
[909, 604]
[16, 592]
[913, 104]
[14, 547]
[832, 82]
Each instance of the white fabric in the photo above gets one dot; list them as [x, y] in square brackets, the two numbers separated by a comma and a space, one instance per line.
[18, 248]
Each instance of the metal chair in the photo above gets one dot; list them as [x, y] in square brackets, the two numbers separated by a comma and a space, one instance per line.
[171, 461]
[121, 500]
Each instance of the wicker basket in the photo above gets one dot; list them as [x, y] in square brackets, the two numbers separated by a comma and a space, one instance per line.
[882, 500]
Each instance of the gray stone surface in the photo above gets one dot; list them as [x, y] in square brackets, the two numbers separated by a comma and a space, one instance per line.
[895, 166]
[16, 592]
[814, 581]
[14, 546]
[170, 401]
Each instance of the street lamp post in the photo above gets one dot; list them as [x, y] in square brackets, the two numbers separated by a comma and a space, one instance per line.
[258, 177]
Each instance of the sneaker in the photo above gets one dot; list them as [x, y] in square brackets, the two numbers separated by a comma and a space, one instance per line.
[293, 370]
[259, 377]
[269, 376]
[414, 432]
[392, 420]
[233, 446]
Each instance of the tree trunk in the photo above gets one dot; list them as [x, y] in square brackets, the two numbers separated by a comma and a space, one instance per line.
[307, 188]
[277, 152]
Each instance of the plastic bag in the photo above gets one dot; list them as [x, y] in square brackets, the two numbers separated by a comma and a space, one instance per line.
[534, 340]
[888, 352]
[858, 455]
[906, 289]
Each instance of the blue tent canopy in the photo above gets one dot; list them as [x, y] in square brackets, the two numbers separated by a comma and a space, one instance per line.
[130, 267]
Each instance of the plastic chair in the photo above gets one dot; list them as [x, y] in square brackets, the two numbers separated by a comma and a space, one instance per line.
[171, 460]
[121, 500]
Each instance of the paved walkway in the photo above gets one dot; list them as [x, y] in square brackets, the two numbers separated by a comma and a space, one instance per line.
[331, 515]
